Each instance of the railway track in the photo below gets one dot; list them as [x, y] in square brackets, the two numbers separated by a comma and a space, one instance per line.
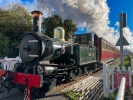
[58, 88]
[93, 90]
[97, 72]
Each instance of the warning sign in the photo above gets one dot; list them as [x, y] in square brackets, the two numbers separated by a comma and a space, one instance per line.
[117, 80]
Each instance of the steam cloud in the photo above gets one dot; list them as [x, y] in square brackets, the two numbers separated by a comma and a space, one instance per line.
[90, 14]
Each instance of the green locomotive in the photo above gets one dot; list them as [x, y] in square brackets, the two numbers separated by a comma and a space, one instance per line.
[52, 61]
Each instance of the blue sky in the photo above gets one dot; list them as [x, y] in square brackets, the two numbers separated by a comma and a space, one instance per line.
[117, 6]
[93, 14]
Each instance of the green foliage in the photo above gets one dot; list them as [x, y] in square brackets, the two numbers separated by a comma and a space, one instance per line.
[72, 95]
[114, 94]
[126, 58]
[127, 62]
[15, 21]
[111, 96]
[55, 20]
[69, 27]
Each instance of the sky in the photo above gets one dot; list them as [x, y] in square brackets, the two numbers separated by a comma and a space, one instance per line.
[99, 16]
[117, 6]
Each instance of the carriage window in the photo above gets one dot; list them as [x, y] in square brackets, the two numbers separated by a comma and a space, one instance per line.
[77, 38]
[83, 39]
[107, 47]
[103, 45]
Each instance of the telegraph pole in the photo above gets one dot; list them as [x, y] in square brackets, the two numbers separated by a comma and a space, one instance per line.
[121, 41]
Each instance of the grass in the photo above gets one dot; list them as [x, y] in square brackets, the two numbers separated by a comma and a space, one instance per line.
[114, 94]
[72, 95]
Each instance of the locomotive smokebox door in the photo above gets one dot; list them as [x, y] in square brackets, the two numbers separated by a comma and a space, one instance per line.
[28, 47]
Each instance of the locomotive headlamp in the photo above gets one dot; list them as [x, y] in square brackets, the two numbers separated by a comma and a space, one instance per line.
[46, 70]
[40, 70]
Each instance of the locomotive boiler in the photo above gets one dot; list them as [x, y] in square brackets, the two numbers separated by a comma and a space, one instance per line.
[47, 62]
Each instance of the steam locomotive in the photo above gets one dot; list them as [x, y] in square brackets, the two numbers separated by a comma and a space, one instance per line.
[47, 61]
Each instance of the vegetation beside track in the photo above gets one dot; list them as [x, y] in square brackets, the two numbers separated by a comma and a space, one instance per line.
[72, 95]
[127, 62]
[114, 94]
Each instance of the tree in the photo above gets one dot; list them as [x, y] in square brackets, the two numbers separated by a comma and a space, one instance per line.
[69, 27]
[49, 23]
[15, 21]
[3, 45]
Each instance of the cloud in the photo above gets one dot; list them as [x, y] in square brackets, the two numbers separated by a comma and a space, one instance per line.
[127, 33]
[90, 14]
[117, 24]
[3, 3]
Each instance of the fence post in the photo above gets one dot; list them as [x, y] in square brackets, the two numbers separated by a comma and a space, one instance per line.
[132, 63]
[130, 79]
[105, 94]
[108, 78]
[113, 78]
[120, 94]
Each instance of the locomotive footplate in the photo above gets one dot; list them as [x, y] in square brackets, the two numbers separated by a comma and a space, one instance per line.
[28, 80]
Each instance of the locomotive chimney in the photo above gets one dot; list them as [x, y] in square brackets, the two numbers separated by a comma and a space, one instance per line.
[37, 21]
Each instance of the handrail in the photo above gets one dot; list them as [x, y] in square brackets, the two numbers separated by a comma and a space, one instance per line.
[120, 94]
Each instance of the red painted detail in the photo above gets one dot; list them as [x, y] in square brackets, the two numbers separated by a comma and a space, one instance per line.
[3, 60]
[117, 80]
[8, 60]
[28, 92]
[33, 80]
[2, 72]
[13, 60]
[26, 79]
[19, 78]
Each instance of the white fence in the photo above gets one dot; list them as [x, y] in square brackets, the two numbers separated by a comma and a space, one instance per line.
[106, 78]
[8, 63]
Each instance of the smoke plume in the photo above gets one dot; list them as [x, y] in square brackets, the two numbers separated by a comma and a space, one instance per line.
[90, 14]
